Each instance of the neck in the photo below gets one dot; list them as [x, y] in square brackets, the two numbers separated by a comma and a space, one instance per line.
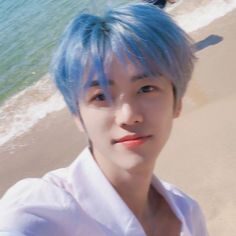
[133, 186]
[135, 190]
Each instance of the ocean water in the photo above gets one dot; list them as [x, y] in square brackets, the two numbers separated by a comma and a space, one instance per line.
[29, 32]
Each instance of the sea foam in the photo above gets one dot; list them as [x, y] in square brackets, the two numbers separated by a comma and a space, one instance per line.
[205, 14]
[24, 110]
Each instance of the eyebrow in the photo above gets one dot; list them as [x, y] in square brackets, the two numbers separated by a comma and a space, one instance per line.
[96, 83]
[139, 77]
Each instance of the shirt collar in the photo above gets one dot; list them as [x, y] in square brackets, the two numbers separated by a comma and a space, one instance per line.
[162, 188]
[100, 201]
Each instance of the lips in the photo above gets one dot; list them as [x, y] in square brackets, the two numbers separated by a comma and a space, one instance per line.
[132, 141]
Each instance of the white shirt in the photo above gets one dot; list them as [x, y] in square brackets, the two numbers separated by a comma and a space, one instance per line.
[80, 201]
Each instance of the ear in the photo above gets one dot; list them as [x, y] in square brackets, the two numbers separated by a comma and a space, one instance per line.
[79, 123]
[178, 108]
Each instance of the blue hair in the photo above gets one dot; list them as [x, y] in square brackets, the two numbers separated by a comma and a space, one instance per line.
[141, 32]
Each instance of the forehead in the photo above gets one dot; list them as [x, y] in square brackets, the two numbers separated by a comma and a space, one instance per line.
[126, 67]
[116, 69]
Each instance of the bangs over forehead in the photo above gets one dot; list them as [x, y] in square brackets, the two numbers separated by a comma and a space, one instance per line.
[141, 33]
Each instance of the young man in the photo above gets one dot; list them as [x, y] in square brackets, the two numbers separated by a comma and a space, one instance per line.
[123, 76]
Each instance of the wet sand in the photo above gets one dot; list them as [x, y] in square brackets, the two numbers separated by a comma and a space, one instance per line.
[200, 155]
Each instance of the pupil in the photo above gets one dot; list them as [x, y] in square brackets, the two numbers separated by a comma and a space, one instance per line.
[101, 97]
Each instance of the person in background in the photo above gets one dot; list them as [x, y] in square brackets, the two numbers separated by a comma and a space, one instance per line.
[123, 76]
[159, 3]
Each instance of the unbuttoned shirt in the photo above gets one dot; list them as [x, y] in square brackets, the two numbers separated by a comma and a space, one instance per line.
[80, 201]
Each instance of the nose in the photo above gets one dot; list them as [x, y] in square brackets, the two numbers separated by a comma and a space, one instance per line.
[128, 115]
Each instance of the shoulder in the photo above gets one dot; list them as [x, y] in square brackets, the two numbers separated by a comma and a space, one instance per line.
[181, 199]
[188, 208]
[48, 205]
[38, 205]
[33, 189]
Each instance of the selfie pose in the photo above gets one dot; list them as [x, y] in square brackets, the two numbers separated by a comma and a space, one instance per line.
[123, 76]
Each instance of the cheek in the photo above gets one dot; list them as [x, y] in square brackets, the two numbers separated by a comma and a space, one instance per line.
[159, 108]
[159, 115]
[96, 121]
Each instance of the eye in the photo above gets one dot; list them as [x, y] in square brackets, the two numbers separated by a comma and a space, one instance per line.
[147, 89]
[99, 97]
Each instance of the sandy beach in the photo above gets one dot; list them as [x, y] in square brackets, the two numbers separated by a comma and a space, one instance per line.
[200, 155]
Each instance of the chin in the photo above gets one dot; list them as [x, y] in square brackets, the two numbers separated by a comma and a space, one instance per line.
[132, 162]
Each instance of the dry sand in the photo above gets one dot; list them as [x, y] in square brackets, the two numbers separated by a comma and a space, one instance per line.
[200, 155]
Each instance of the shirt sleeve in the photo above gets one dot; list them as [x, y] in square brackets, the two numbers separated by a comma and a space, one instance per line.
[34, 207]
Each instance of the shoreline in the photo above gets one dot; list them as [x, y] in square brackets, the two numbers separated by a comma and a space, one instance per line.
[22, 111]
[207, 121]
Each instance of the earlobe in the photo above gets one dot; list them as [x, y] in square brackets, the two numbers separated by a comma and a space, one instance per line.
[178, 108]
